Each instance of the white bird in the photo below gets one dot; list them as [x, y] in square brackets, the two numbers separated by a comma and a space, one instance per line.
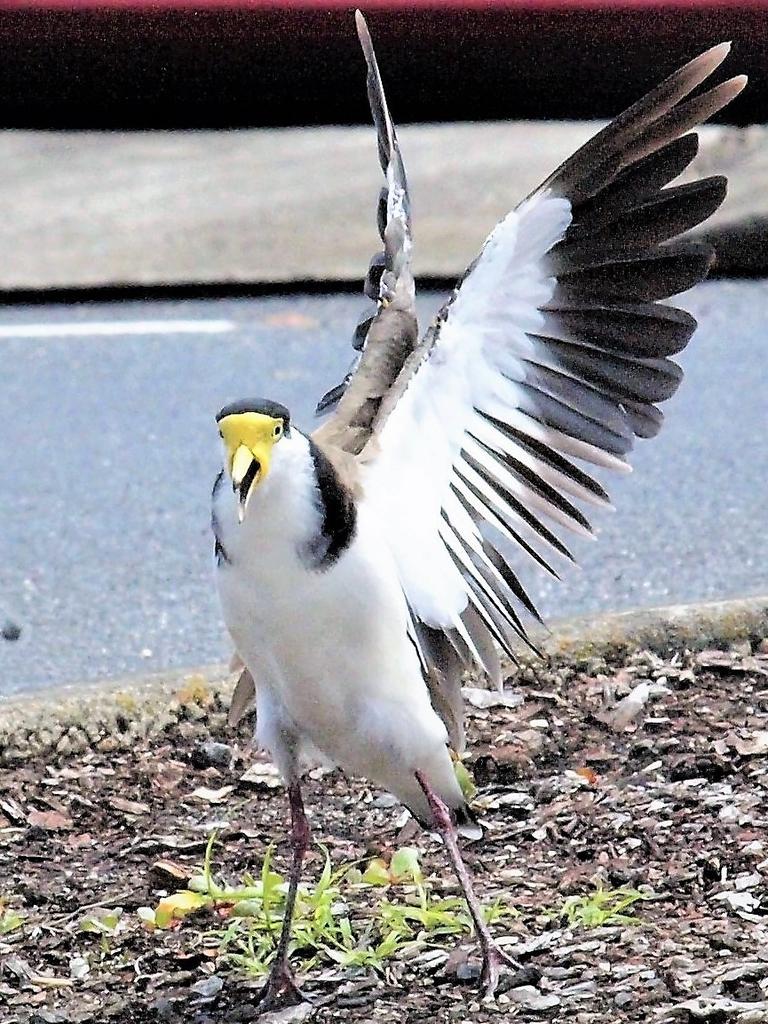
[362, 568]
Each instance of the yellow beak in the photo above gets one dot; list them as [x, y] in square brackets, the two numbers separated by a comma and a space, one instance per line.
[241, 463]
[247, 469]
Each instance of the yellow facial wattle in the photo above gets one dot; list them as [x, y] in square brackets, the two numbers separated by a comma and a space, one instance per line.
[249, 438]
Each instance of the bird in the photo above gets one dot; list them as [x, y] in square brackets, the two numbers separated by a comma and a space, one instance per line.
[365, 565]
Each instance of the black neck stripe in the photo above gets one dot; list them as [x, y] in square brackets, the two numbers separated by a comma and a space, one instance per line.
[339, 514]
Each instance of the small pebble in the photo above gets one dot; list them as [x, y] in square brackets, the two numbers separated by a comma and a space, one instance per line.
[212, 755]
[531, 999]
[10, 630]
[208, 988]
[469, 970]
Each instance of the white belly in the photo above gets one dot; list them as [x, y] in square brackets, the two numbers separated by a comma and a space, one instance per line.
[330, 654]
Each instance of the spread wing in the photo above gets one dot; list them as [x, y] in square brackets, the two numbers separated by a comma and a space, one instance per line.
[554, 350]
[385, 335]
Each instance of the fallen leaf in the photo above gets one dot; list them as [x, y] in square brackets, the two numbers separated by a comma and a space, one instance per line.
[169, 869]
[480, 698]
[79, 840]
[168, 777]
[51, 821]
[129, 806]
[629, 709]
[78, 967]
[177, 906]
[738, 900]
[13, 810]
[715, 659]
[101, 920]
[717, 1008]
[377, 872]
[147, 917]
[263, 774]
[212, 796]
[22, 969]
[751, 745]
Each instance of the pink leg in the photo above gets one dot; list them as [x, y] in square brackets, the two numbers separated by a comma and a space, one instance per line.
[493, 957]
[281, 985]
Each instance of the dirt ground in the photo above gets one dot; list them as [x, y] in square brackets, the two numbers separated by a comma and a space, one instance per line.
[577, 791]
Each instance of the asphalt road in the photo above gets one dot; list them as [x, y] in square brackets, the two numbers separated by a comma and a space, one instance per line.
[108, 450]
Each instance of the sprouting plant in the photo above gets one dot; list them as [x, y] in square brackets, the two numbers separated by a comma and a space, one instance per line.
[362, 951]
[106, 923]
[101, 921]
[465, 780]
[601, 907]
[252, 913]
[249, 938]
[10, 920]
[403, 867]
[429, 917]
[271, 882]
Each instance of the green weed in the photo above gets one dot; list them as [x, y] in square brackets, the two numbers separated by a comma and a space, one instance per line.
[601, 907]
[322, 928]
[101, 922]
[10, 920]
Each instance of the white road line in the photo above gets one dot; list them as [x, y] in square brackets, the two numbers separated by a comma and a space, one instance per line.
[115, 328]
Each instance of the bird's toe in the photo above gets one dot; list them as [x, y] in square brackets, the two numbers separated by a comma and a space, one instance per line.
[494, 959]
[280, 990]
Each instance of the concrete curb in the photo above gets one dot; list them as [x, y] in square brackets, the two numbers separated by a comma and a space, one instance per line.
[298, 204]
[113, 715]
[120, 713]
[693, 627]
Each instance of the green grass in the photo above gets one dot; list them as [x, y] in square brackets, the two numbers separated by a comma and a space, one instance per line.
[354, 915]
[395, 912]
[601, 907]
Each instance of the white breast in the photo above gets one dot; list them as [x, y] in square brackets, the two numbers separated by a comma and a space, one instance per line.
[328, 650]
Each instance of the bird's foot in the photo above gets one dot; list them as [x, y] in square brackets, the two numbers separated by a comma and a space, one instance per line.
[280, 989]
[494, 959]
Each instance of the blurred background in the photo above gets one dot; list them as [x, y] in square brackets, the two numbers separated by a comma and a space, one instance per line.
[262, 63]
[188, 196]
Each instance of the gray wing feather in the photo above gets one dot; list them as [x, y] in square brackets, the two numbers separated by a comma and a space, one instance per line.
[387, 335]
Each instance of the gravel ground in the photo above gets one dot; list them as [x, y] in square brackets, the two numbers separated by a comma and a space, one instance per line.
[579, 787]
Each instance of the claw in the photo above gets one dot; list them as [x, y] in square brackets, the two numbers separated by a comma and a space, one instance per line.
[493, 959]
[280, 989]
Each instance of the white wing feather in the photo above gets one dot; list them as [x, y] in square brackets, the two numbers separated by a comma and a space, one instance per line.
[472, 366]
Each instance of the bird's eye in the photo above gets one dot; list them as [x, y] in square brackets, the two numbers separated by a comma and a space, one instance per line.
[278, 430]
